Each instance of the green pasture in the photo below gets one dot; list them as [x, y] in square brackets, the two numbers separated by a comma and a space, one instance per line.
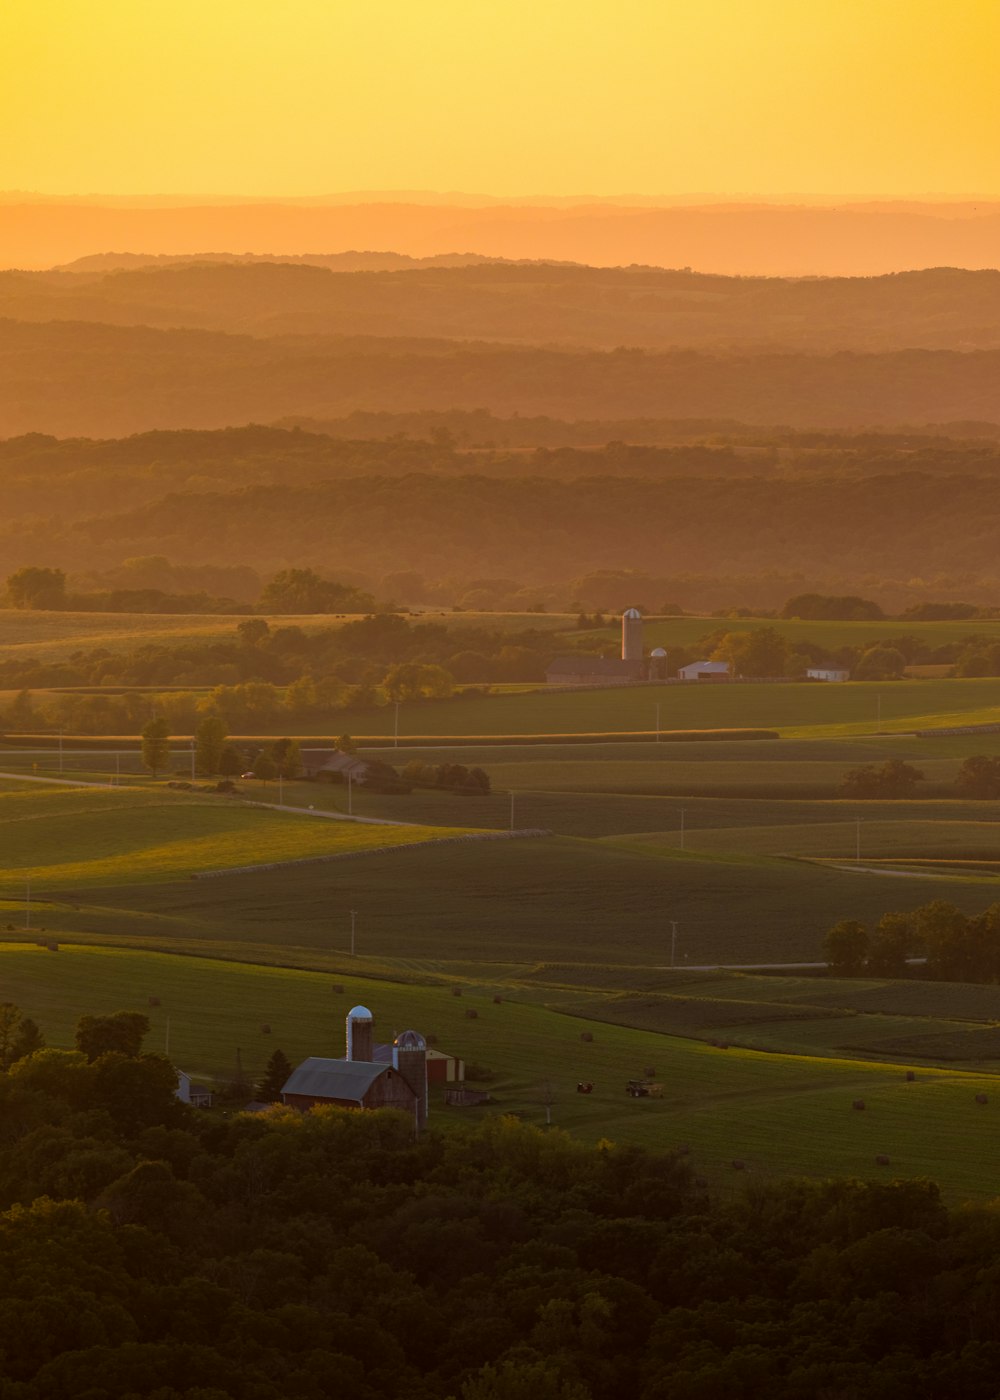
[795, 708]
[68, 838]
[779, 1114]
[687, 632]
[550, 898]
[54, 636]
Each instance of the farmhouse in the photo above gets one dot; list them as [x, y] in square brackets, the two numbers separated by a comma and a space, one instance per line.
[194, 1094]
[705, 671]
[361, 1081]
[318, 763]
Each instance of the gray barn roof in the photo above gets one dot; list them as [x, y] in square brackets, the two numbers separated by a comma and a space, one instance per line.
[334, 1079]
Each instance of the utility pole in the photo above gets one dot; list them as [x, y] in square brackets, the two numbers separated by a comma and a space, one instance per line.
[395, 731]
[673, 942]
[682, 828]
[27, 904]
[354, 915]
[281, 787]
[61, 732]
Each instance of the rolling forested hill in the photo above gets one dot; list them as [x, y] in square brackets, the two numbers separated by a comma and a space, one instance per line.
[534, 303]
[72, 378]
[538, 529]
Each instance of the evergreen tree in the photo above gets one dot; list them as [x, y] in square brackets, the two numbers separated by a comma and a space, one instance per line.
[275, 1077]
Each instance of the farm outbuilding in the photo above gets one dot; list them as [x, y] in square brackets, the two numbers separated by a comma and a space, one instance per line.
[818, 674]
[705, 671]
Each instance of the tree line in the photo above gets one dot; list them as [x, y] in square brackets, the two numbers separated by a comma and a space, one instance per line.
[950, 946]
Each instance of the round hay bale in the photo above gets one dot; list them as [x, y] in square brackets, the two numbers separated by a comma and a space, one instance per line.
[497, 1001]
[910, 1076]
[472, 1014]
[881, 1160]
[649, 1072]
[723, 1044]
[739, 1165]
[338, 988]
[153, 1001]
[981, 1098]
[858, 1103]
[587, 1036]
[265, 1029]
[714, 1042]
[683, 1149]
[456, 991]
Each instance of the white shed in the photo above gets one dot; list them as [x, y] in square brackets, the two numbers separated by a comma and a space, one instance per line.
[817, 674]
[705, 671]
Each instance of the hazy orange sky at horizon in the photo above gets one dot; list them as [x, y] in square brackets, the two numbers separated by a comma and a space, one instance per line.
[556, 97]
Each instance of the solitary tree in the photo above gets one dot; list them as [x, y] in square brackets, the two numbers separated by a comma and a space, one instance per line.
[846, 947]
[264, 767]
[210, 740]
[287, 757]
[37, 588]
[156, 745]
[979, 777]
[231, 762]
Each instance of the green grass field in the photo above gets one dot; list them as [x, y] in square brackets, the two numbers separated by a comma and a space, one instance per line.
[794, 708]
[70, 838]
[780, 1114]
[54, 636]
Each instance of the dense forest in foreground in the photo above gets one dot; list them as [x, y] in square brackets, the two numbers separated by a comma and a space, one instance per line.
[153, 1251]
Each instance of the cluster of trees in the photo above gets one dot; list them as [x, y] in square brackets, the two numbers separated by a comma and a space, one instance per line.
[451, 777]
[163, 1253]
[892, 779]
[956, 947]
[215, 756]
[978, 778]
[289, 591]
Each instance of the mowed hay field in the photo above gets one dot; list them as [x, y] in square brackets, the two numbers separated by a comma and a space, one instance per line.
[69, 838]
[779, 1115]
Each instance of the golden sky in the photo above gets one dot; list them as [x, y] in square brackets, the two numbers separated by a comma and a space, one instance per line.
[500, 96]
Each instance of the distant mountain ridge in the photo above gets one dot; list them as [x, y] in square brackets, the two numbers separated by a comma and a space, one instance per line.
[741, 237]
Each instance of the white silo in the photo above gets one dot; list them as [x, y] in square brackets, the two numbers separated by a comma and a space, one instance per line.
[360, 1034]
[409, 1057]
[658, 664]
[631, 635]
